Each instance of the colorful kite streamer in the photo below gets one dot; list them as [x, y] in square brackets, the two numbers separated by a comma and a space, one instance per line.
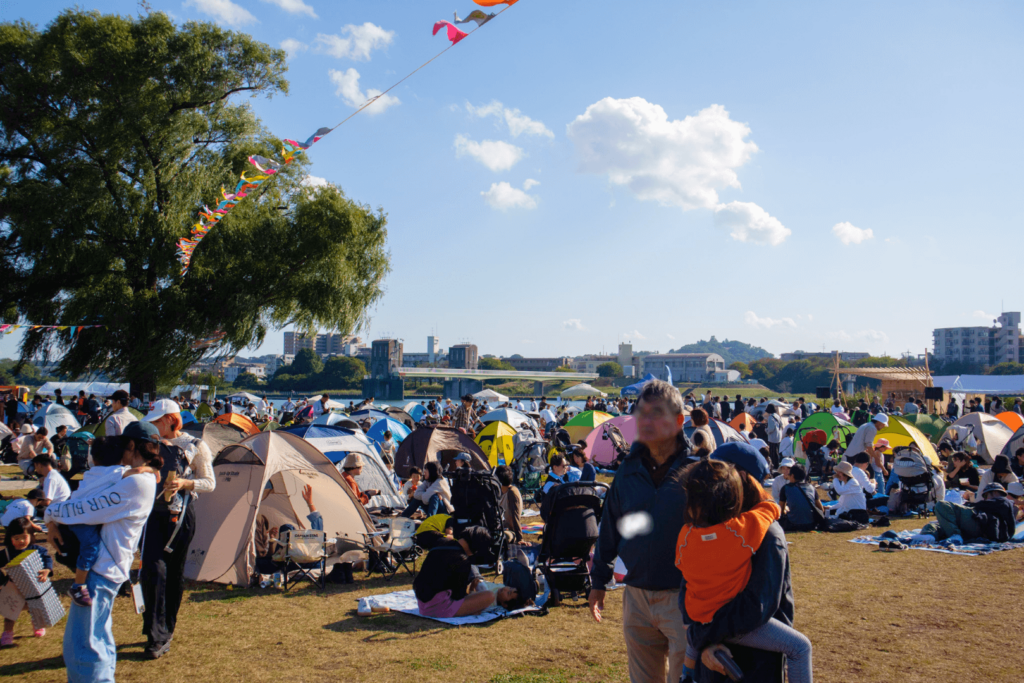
[267, 168]
[492, 3]
[9, 329]
[455, 34]
[476, 15]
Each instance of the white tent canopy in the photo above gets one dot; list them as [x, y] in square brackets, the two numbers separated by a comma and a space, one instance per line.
[990, 385]
[512, 417]
[331, 403]
[72, 388]
[252, 398]
[489, 395]
[582, 391]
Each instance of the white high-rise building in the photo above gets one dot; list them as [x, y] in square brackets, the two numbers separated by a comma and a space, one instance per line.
[984, 345]
[433, 349]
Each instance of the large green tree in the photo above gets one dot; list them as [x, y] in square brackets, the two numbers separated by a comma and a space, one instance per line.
[114, 131]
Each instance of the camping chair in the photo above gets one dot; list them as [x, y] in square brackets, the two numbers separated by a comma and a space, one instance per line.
[401, 546]
[305, 552]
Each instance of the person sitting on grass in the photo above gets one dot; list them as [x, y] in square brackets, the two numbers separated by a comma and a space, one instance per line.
[1015, 492]
[581, 461]
[267, 537]
[559, 472]
[434, 529]
[409, 487]
[352, 468]
[714, 551]
[852, 505]
[999, 473]
[23, 508]
[782, 479]
[17, 539]
[511, 503]
[448, 569]
[992, 519]
[961, 473]
[801, 509]
[433, 495]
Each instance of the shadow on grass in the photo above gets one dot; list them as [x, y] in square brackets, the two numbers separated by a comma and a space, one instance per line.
[22, 668]
[382, 628]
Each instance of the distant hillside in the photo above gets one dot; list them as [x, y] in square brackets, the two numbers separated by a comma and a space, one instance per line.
[731, 351]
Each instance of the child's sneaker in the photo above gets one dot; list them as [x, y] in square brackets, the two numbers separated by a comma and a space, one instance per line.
[80, 595]
[39, 632]
[7, 639]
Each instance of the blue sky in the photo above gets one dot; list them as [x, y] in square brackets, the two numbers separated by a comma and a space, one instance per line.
[794, 175]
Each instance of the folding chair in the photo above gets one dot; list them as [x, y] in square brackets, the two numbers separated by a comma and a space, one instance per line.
[305, 552]
[401, 545]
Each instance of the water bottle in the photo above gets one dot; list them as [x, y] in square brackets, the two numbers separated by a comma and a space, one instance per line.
[278, 580]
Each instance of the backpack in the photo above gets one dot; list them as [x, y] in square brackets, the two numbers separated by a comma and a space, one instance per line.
[861, 417]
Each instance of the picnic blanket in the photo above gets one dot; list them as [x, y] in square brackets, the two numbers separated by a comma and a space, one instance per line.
[533, 528]
[405, 602]
[916, 541]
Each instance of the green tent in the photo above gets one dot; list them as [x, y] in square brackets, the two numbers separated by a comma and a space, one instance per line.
[269, 426]
[933, 426]
[99, 429]
[204, 413]
[841, 430]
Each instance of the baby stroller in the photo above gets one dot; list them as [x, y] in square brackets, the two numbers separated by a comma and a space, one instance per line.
[813, 443]
[476, 497]
[573, 513]
[917, 487]
[613, 434]
[528, 465]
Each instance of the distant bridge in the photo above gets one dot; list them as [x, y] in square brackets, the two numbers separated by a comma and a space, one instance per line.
[511, 375]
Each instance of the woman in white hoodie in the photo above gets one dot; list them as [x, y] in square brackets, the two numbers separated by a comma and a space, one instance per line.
[433, 495]
[90, 653]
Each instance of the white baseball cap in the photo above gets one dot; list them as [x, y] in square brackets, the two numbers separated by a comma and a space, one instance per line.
[164, 406]
[880, 417]
[787, 462]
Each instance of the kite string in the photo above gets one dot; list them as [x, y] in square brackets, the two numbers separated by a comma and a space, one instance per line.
[413, 72]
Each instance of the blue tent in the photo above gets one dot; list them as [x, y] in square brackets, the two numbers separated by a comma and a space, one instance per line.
[187, 417]
[398, 430]
[368, 413]
[415, 410]
[633, 390]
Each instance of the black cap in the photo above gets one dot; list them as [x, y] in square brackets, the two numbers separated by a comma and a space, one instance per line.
[479, 541]
[145, 431]
[521, 578]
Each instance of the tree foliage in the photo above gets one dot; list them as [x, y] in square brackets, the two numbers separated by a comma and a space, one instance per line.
[731, 351]
[742, 368]
[610, 369]
[114, 132]
[489, 363]
[247, 380]
[307, 362]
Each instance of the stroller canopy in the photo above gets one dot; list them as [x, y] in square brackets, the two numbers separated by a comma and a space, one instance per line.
[900, 432]
[600, 448]
[437, 444]
[497, 441]
[990, 433]
[224, 547]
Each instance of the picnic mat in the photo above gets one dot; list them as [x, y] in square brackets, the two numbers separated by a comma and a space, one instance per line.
[405, 602]
[914, 540]
[533, 528]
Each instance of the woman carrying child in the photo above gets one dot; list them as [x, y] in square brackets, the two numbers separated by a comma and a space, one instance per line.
[768, 593]
[17, 539]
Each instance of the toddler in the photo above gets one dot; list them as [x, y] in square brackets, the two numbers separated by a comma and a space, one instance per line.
[18, 539]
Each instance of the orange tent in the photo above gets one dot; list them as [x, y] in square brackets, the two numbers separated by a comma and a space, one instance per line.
[1011, 419]
[238, 420]
[743, 423]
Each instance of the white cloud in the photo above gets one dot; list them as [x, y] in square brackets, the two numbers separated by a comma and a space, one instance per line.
[754, 320]
[314, 181]
[517, 122]
[676, 163]
[748, 222]
[293, 7]
[810, 317]
[670, 337]
[985, 316]
[848, 233]
[635, 334]
[293, 47]
[348, 90]
[504, 197]
[873, 335]
[573, 324]
[224, 10]
[361, 41]
[530, 182]
[496, 155]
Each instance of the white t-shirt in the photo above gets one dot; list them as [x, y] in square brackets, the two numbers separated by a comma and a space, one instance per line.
[17, 509]
[777, 484]
[55, 487]
[117, 421]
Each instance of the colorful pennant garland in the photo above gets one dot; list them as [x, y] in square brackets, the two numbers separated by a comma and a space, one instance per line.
[269, 167]
[8, 329]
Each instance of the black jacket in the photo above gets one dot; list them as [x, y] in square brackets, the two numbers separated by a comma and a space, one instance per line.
[996, 518]
[446, 567]
[649, 558]
[738, 408]
[769, 594]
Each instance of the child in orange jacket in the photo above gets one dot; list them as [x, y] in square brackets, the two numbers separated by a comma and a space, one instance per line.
[714, 553]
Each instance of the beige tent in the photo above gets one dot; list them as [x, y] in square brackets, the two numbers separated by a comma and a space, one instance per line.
[224, 547]
[990, 433]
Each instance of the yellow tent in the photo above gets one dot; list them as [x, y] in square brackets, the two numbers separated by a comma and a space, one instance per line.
[496, 441]
[584, 423]
[903, 433]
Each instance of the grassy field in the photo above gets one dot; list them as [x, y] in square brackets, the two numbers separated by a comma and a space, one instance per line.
[874, 617]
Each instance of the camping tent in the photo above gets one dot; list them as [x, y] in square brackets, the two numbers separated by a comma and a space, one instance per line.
[398, 430]
[489, 396]
[224, 547]
[52, 416]
[583, 390]
[337, 442]
[933, 426]
[437, 444]
[901, 432]
[219, 435]
[244, 395]
[633, 390]
[339, 419]
[416, 410]
[187, 417]
[990, 433]
[722, 432]
[835, 428]
[584, 423]
[743, 423]
[600, 448]
[204, 413]
[368, 414]
[238, 420]
[496, 440]
[399, 415]
[269, 426]
[1016, 441]
[509, 416]
[331, 403]
[1011, 419]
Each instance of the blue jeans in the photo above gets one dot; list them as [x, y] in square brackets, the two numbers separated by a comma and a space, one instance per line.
[90, 653]
[89, 545]
[880, 480]
[429, 509]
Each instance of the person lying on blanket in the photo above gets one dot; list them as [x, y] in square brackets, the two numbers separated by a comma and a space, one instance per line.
[447, 571]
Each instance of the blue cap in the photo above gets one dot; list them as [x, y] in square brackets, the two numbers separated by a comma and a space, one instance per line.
[744, 457]
[145, 431]
[463, 456]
